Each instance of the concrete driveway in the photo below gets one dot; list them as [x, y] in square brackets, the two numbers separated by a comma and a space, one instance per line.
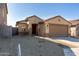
[67, 38]
[67, 41]
[72, 43]
[32, 46]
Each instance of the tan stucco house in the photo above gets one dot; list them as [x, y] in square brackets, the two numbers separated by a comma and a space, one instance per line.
[3, 13]
[75, 28]
[5, 30]
[58, 26]
[54, 26]
[29, 25]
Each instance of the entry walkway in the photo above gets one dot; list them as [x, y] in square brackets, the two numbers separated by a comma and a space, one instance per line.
[73, 43]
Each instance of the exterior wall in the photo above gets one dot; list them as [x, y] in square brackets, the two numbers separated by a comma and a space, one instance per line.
[22, 28]
[77, 30]
[69, 31]
[3, 14]
[5, 31]
[57, 21]
[30, 28]
[73, 31]
[8, 30]
[33, 20]
[41, 30]
[47, 30]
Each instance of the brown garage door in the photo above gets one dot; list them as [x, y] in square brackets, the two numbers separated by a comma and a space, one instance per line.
[58, 30]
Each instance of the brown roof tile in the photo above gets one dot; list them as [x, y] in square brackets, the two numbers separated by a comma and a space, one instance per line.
[26, 19]
[74, 22]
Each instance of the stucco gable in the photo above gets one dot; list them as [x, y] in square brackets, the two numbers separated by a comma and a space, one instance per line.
[57, 20]
[33, 17]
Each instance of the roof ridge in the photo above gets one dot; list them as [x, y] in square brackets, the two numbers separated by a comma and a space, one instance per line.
[53, 17]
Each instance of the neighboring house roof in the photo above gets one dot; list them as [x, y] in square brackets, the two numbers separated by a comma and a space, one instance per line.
[56, 17]
[74, 22]
[22, 21]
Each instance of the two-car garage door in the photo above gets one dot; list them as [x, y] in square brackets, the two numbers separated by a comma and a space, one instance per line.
[58, 30]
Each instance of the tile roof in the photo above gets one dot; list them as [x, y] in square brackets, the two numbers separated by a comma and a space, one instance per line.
[56, 17]
[26, 19]
[74, 22]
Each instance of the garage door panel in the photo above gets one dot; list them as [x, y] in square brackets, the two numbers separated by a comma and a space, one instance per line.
[58, 30]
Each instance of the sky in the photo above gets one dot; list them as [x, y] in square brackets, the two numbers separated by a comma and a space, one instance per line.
[20, 11]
